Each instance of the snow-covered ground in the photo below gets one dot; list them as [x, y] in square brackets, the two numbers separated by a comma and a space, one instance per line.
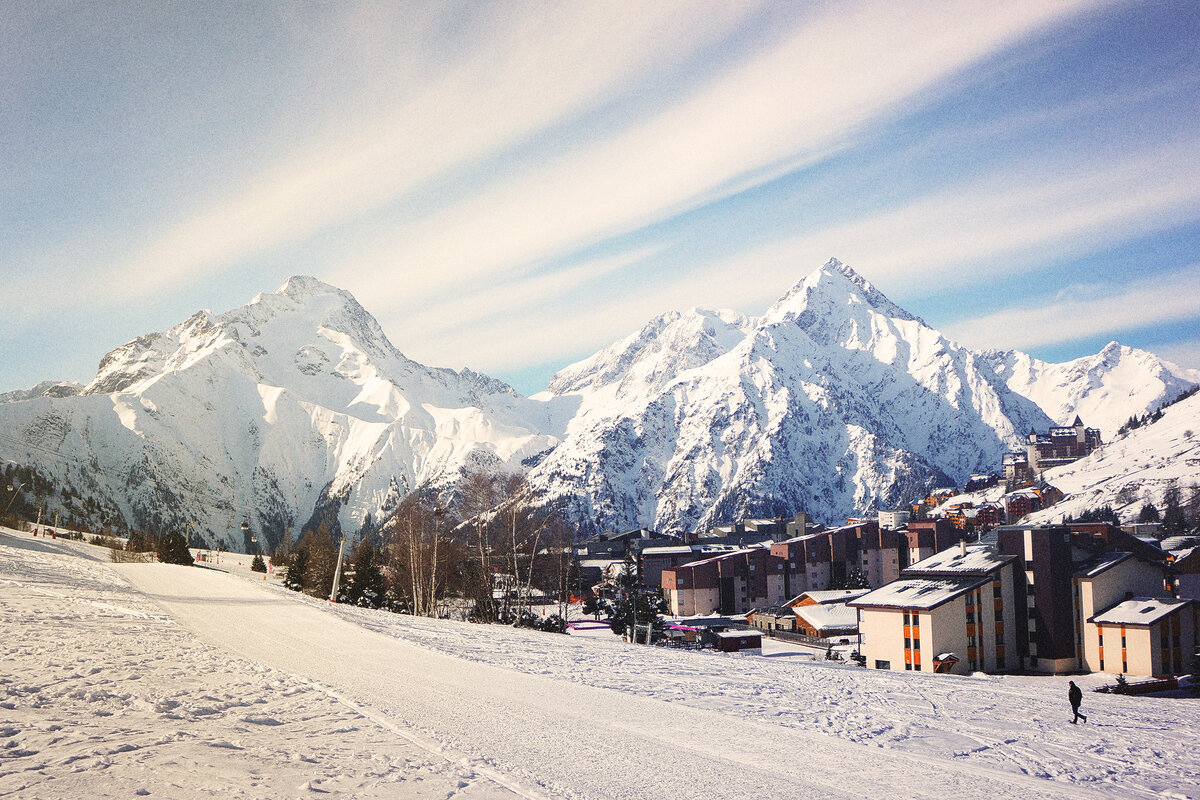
[119, 680]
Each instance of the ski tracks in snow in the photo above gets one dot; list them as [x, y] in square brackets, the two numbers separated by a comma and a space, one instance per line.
[327, 699]
[556, 717]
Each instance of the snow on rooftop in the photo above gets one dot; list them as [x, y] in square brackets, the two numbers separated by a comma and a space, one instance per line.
[833, 595]
[831, 616]
[736, 634]
[677, 550]
[921, 593]
[1140, 611]
[978, 558]
[1094, 566]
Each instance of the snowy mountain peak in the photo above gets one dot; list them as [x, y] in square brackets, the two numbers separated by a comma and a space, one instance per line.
[308, 303]
[299, 286]
[656, 354]
[833, 290]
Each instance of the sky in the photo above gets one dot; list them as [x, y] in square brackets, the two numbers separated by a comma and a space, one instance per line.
[512, 186]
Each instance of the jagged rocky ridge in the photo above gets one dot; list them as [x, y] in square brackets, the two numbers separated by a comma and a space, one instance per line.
[296, 407]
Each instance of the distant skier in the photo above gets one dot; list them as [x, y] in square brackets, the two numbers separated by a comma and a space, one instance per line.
[1075, 695]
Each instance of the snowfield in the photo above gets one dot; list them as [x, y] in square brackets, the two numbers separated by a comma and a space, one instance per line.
[148, 679]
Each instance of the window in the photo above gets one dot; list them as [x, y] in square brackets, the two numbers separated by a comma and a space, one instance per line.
[917, 667]
[1000, 639]
[880, 664]
[997, 590]
[999, 615]
[907, 643]
[916, 644]
[970, 617]
[907, 619]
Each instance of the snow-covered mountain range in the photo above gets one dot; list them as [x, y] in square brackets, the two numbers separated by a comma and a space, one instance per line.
[1104, 389]
[297, 406]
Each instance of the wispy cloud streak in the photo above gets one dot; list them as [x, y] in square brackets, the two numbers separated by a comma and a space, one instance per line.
[1171, 297]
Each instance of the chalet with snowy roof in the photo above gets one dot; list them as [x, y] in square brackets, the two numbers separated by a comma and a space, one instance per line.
[979, 481]
[826, 614]
[936, 497]
[969, 517]
[1025, 501]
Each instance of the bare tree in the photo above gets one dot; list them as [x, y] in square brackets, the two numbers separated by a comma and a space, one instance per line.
[418, 560]
[480, 495]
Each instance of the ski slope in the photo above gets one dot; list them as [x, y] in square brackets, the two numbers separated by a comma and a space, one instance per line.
[187, 682]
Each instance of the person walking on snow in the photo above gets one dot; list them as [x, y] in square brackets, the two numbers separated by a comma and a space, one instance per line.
[1075, 695]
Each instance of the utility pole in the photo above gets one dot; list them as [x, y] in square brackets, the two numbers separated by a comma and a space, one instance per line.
[337, 570]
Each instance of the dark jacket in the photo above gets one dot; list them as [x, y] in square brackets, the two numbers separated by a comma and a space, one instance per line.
[1075, 696]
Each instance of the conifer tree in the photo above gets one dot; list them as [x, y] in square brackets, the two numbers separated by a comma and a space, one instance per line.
[173, 549]
[297, 565]
[366, 587]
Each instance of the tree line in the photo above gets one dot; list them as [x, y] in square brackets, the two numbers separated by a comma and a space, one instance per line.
[485, 551]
